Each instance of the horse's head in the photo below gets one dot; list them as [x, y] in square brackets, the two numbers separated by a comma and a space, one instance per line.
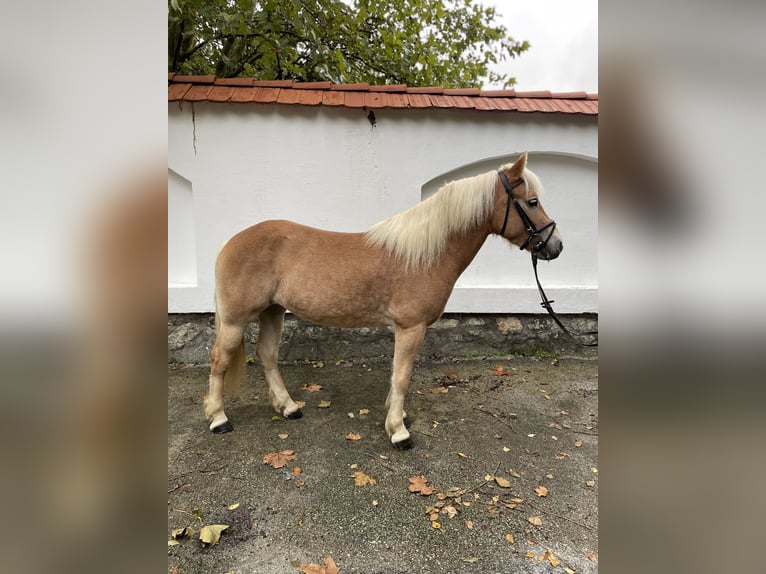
[519, 215]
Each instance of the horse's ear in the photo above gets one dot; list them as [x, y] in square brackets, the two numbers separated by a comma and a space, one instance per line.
[518, 167]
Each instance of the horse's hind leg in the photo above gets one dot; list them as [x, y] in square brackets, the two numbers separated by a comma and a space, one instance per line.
[271, 321]
[406, 349]
[226, 368]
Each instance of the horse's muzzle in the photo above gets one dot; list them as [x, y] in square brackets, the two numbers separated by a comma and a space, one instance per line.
[552, 249]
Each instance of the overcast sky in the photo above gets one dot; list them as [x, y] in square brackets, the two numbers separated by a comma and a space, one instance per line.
[564, 43]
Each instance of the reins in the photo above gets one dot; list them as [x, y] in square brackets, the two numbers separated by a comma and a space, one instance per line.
[547, 303]
[533, 232]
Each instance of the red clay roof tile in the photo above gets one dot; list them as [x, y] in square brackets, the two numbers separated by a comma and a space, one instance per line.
[397, 100]
[419, 100]
[376, 100]
[177, 91]
[462, 92]
[363, 87]
[362, 95]
[310, 97]
[426, 90]
[234, 82]
[273, 83]
[354, 99]
[221, 93]
[198, 93]
[333, 98]
[311, 85]
[498, 93]
[196, 79]
[244, 95]
[266, 95]
[389, 88]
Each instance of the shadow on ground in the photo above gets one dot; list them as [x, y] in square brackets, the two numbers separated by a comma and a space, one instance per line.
[535, 428]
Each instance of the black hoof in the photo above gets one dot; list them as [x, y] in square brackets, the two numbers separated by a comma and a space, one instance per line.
[295, 415]
[222, 428]
[405, 444]
[407, 423]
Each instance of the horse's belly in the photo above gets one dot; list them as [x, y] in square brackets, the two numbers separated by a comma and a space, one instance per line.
[334, 305]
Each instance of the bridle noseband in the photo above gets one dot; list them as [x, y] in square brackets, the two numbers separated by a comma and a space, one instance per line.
[532, 231]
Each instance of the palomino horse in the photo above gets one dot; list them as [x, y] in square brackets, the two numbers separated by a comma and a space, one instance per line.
[400, 273]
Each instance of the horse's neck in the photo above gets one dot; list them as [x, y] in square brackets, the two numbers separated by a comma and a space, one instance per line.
[461, 250]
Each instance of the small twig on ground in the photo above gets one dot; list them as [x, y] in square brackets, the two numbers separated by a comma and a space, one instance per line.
[213, 470]
[557, 515]
[482, 483]
[179, 486]
[496, 417]
[583, 432]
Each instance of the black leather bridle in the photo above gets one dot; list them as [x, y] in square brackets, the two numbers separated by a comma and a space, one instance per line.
[533, 232]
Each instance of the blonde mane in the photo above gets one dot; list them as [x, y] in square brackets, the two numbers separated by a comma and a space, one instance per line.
[419, 235]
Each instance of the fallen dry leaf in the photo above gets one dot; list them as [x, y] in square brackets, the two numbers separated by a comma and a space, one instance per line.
[324, 404]
[363, 411]
[509, 538]
[173, 543]
[541, 491]
[353, 436]
[451, 374]
[530, 554]
[312, 387]
[329, 567]
[562, 456]
[450, 511]
[590, 483]
[362, 479]
[462, 455]
[469, 524]
[502, 482]
[551, 558]
[297, 470]
[578, 443]
[185, 532]
[435, 524]
[499, 371]
[233, 506]
[211, 534]
[283, 436]
[418, 484]
[279, 459]
[536, 520]
[440, 390]
[299, 484]
[300, 404]
[590, 555]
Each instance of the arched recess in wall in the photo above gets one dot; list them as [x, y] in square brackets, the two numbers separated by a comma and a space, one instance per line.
[182, 251]
[501, 276]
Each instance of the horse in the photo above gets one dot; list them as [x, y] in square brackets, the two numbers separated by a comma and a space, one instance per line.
[399, 273]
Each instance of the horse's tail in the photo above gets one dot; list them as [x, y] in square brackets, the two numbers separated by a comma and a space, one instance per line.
[236, 373]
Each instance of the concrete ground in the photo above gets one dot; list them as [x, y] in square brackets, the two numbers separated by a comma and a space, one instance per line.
[535, 430]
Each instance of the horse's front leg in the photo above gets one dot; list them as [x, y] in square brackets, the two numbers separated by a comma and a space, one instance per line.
[408, 342]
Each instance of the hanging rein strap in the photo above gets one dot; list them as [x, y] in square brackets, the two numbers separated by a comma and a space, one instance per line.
[547, 303]
[533, 232]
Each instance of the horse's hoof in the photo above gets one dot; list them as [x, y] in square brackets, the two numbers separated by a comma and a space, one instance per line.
[405, 444]
[294, 415]
[223, 428]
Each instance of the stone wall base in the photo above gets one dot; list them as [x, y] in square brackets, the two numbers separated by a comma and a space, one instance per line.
[191, 336]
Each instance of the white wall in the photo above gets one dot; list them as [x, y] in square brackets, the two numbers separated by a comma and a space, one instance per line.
[230, 166]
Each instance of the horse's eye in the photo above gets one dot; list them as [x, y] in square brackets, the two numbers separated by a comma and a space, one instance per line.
[532, 202]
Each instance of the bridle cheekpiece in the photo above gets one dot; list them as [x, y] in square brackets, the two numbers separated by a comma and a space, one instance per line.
[532, 231]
